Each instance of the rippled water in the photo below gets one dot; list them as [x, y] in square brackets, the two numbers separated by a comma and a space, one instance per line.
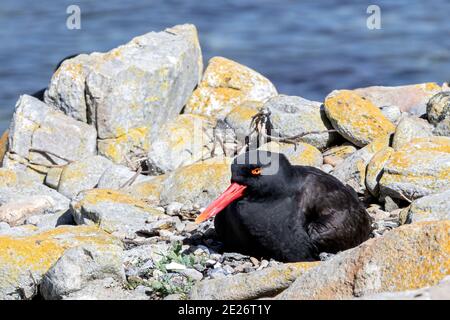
[306, 48]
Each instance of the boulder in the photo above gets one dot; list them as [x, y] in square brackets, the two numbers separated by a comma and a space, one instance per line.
[80, 265]
[410, 98]
[196, 184]
[357, 119]
[225, 85]
[393, 113]
[43, 136]
[409, 257]
[82, 175]
[438, 113]
[240, 118]
[291, 116]
[185, 140]
[24, 260]
[129, 92]
[352, 170]
[113, 211]
[417, 169]
[410, 128]
[342, 151]
[3, 145]
[259, 284]
[434, 207]
[118, 177]
[301, 154]
[148, 191]
[374, 170]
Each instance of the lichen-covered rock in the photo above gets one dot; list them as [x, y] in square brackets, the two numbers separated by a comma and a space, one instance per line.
[240, 118]
[358, 120]
[438, 113]
[342, 151]
[80, 265]
[225, 85]
[24, 260]
[22, 197]
[409, 128]
[419, 168]
[264, 283]
[199, 183]
[3, 146]
[183, 141]
[352, 170]
[113, 211]
[374, 169]
[409, 257]
[430, 208]
[291, 116]
[148, 191]
[393, 113]
[44, 136]
[132, 90]
[118, 176]
[82, 175]
[410, 98]
[302, 154]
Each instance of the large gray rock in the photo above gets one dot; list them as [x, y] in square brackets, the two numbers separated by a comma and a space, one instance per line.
[431, 208]
[410, 98]
[119, 176]
[264, 283]
[409, 128]
[292, 115]
[80, 265]
[438, 112]
[82, 175]
[22, 197]
[37, 128]
[183, 141]
[132, 90]
[113, 211]
[409, 257]
[417, 169]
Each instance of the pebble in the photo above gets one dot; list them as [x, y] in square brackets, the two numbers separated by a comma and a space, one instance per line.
[228, 269]
[216, 273]
[173, 208]
[193, 274]
[175, 266]
[254, 261]
[264, 264]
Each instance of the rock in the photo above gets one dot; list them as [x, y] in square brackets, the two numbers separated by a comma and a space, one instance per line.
[434, 207]
[302, 154]
[225, 85]
[375, 168]
[327, 168]
[3, 146]
[240, 117]
[352, 170]
[332, 160]
[183, 141]
[438, 113]
[82, 175]
[196, 184]
[441, 291]
[117, 177]
[393, 113]
[419, 168]
[37, 128]
[410, 98]
[175, 266]
[342, 151]
[24, 260]
[113, 211]
[53, 176]
[192, 274]
[132, 90]
[259, 284]
[409, 128]
[291, 116]
[408, 257]
[148, 191]
[106, 289]
[22, 197]
[79, 265]
[357, 119]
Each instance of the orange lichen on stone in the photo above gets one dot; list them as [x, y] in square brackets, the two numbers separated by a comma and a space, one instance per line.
[356, 118]
[3, 146]
[302, 154]
[374, 169]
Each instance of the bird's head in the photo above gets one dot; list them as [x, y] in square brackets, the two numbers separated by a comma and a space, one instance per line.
[254, 174]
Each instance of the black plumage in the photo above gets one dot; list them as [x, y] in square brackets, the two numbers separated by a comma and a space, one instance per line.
[290, 213]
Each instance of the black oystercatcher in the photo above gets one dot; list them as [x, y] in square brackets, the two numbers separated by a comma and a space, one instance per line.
[289, 213]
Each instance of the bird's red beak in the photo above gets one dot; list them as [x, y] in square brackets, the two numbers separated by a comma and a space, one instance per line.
[233, 192]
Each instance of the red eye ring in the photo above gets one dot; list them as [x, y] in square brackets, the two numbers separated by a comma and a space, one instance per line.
[256, 171]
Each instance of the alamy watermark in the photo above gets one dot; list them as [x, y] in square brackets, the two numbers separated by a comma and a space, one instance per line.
[73, 21]
[374, 20]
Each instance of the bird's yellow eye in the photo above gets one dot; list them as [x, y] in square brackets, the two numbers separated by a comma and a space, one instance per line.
[256, 171]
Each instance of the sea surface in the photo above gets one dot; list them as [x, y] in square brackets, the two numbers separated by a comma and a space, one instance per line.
[305, 48]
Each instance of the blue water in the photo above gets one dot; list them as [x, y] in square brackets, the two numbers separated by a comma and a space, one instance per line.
[306, 48]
